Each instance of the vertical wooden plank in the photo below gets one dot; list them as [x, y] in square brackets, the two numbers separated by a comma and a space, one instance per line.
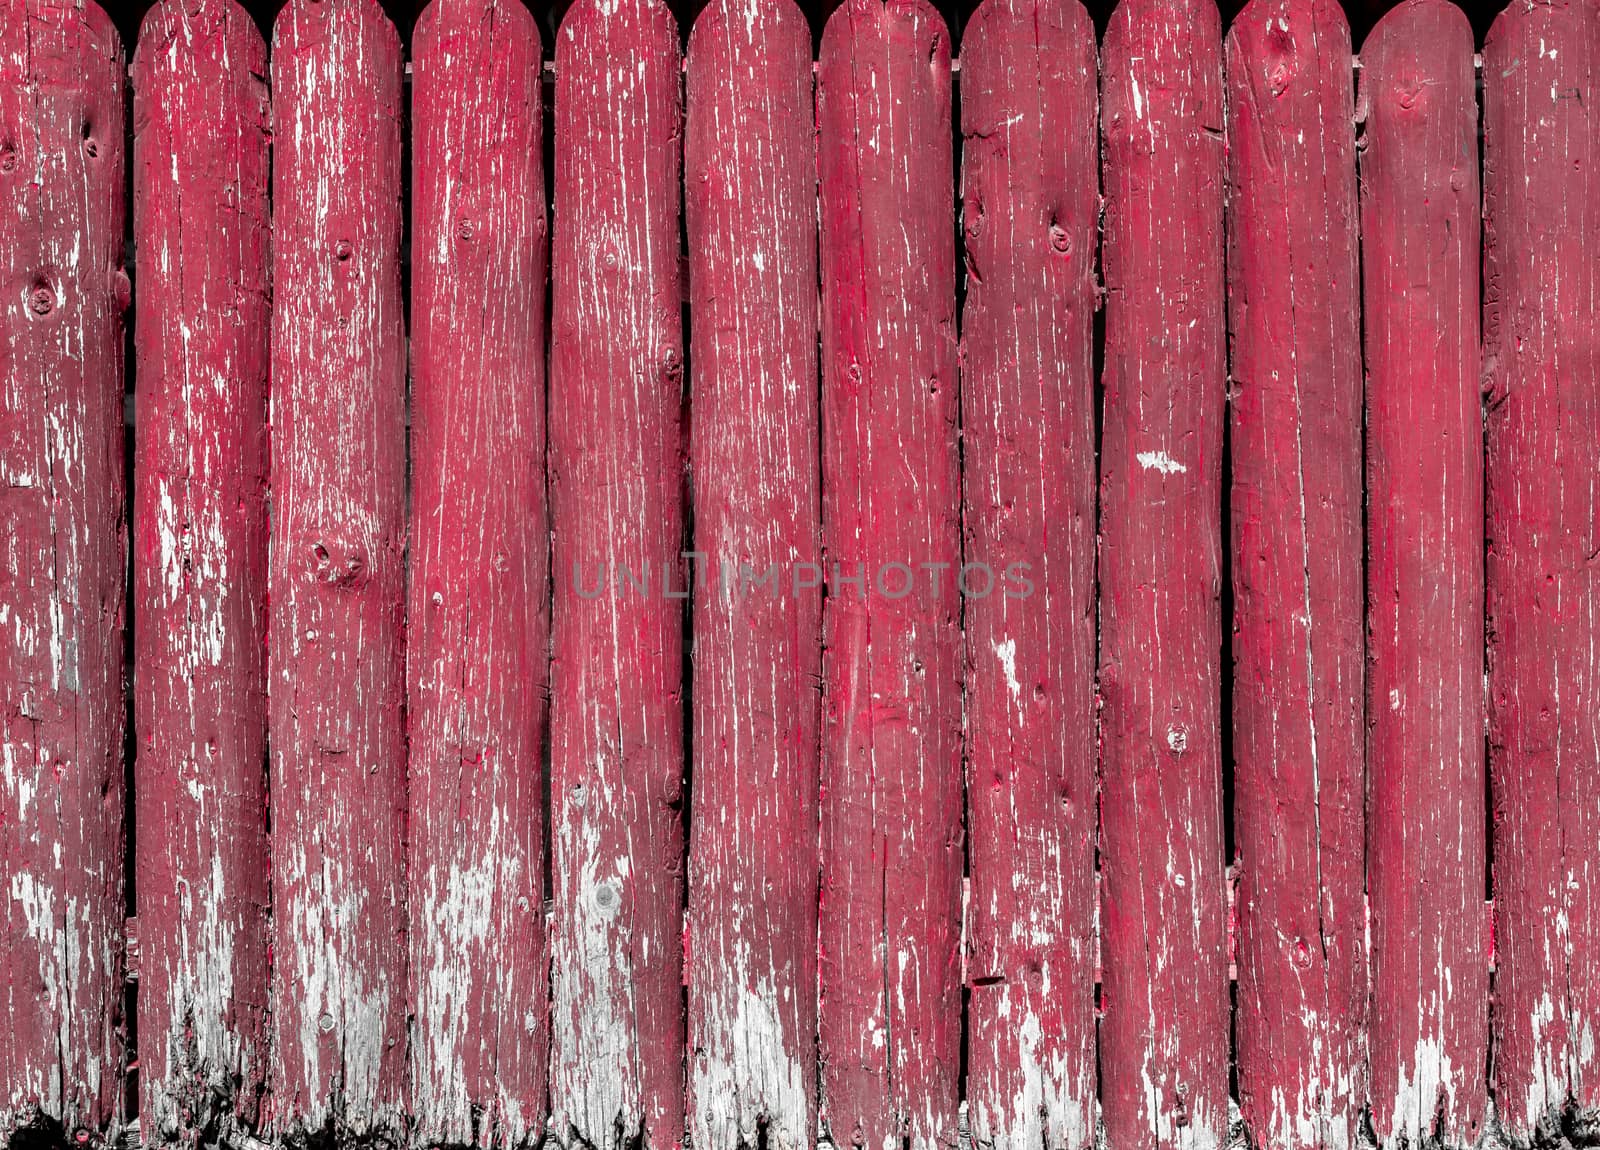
[891, 808]
[200, 568]
[1164, 1039]
[617, 508]
[1542, 221]
[1299, 645]
[336, 583]
[1030, 210]
[63, 543]
[478, 632]
[1425, 869]
[750, 157]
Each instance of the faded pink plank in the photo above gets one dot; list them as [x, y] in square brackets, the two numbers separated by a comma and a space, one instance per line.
[1425, 857]
[890, 923]
[750, 159]
[617, 509]
[336, 577]
[478, 632]
[1164, 1036]
[1299, 644]
[63, 542]
[1542, 224]
[1030, 211]
[200, 569]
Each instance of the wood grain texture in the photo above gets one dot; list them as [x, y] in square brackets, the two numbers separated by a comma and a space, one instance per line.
[477, 643]
[200, 568]
[617, 507]
[1425, 715]
[1164, 1038]
[750, 175]
[891, 807]
[63, 542]
[1542, 224]
[1294, 291]
[336, 577]
[1030, 211]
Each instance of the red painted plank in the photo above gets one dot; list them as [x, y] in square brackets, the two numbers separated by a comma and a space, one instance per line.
[1542, 223]
[750, 159]
[617, 495]
[891, 806]
[200, 568]
[1030, 211]
[62, 546]
[477, 638]
[1425, 869]
[336, 580]
[1164, 1038]
[1299, 643]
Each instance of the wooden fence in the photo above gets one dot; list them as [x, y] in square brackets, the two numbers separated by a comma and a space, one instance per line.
[796, 646]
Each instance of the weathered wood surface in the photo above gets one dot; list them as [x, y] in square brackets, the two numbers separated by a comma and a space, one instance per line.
[336, 577]
[891, 809]
[1030, 210]
[1294, 292]
[1425, 867]
[63, 543]
[617, 508]
[1542, 221]
[200, 568]
[477, 642]
[1164, 1048]
[750, 179]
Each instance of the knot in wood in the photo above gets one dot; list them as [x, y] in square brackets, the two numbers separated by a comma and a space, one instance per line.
[336, 564]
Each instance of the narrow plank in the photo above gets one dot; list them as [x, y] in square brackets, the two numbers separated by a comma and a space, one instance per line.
[1299, 641]
[200, 568]
[1425, 868]
[63, 541]
[1542, 218]
[336, 578]
[477, 639]
[750, 175]
[1030, 212]
[891, 810]
[1164, 1038]
[617, 508]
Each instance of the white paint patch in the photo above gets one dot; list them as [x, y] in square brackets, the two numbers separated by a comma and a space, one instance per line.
[1418, 1090]
[1160, 461]
[1006, 652]
[753, 1073]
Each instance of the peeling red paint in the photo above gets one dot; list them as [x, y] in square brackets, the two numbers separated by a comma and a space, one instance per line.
[891, 811]
[1425, 709]
[1164, 1061]
[63, 544]
[750, 175]
[478, 629]
[336, 577]
[1298, 793]
[1542, 226]
[1030, 208]
[617, 500]
[200, 567]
